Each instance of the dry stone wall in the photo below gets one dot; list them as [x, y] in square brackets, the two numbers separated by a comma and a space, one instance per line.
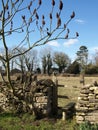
[40, 95]
[43, 97]
[87, 105]
[4, 105]
[3, 100]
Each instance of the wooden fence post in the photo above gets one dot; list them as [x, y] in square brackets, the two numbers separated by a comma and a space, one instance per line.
[82, 80]
[55, 95]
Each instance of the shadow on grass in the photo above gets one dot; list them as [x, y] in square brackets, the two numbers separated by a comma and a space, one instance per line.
[63, 96]
[7, 115]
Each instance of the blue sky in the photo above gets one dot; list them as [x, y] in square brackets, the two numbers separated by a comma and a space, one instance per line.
[85, 23]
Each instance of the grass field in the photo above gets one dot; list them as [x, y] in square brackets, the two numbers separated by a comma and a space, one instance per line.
[68, 93]
[71, 88]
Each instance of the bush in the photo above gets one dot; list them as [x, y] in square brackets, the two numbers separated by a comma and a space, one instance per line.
[86, 126]
[92, 70]
[73, 68]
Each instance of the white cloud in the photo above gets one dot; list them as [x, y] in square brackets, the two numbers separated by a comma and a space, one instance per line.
[70, 42]
[53, 43]
[80, 21]
[93, 49]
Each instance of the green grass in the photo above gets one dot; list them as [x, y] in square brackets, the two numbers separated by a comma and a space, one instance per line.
[86, 126]
[9, 121]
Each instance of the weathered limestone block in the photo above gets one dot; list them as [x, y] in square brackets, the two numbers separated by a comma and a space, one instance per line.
[94, 113]
[83, 102]
[91, 105]
[82, 109]
[96, 106]
[96, 91]
[84, 91]
[80, 113]
[83, 95]
[90, 118]
[91, 97]
[80, 118]
[96, 101]
[79, 122]
[92, 101]
[38, 94]
[83, 98]
[96, 96]
[41, 99]
[90, 94]
[96, 117]
[92, 88]
[91, 108]
[87, 86]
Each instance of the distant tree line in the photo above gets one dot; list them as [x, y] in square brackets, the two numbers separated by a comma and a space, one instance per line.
[48, 62]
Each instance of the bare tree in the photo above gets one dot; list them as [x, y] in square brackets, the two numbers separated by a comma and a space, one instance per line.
[47, 63]
[95, 57]
[20, 62]
[28, 61]
[44, 64]
[12, 10]
[31, 22]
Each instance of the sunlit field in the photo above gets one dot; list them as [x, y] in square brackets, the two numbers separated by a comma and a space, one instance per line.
[70, 91]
